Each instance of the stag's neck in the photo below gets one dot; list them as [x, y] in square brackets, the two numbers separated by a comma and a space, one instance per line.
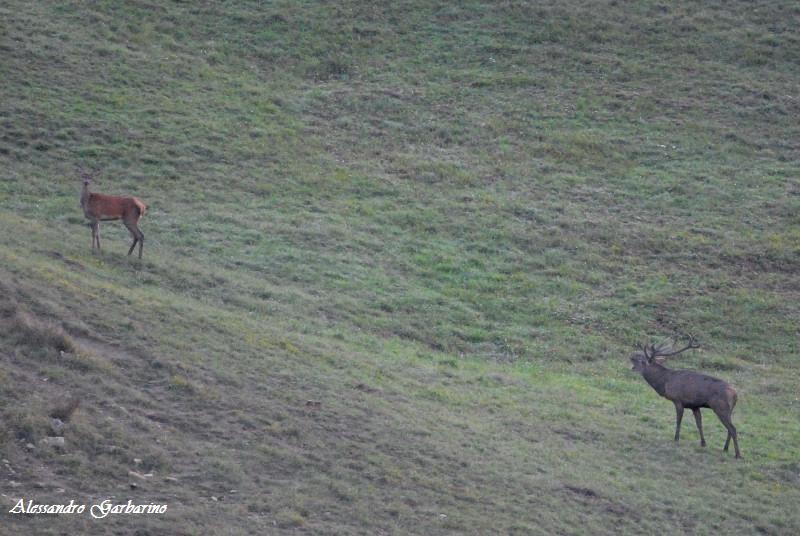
[657, 377]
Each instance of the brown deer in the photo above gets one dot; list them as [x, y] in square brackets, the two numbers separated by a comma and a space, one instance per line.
[100, 207]
[687, 389]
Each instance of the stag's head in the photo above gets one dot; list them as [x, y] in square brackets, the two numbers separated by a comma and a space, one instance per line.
[649, 354]
[639, 361]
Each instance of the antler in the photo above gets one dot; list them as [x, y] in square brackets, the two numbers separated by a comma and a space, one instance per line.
[660, 351]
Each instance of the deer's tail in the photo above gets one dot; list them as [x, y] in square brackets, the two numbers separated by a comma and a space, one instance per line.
[732, 397]
[140, 206]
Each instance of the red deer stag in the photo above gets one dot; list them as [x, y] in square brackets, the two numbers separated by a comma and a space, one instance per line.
[100, 207]
[687, 389]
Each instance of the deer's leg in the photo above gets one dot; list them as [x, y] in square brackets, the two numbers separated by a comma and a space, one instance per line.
[133, 245]
[727, 442]
[135, 237]
[726, 421]
[732, 433]
[698, 419]
[94, 225]
[679, 415]
[138, 236]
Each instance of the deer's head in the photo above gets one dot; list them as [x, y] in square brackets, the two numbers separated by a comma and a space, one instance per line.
[649, 354]
[639, 361]
[87, 177]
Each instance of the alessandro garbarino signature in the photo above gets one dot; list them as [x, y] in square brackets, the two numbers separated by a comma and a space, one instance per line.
[97, 511]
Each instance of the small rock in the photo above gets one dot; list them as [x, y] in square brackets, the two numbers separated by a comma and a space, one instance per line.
[133, 485]
[30, 446]
[57, 442]
[170, 479]
[56, 425]
[137, 461]
[14, 483]
[313, 403]
[60, 490]
[140, 476]
[6, 461]
[214, 498]
[39, 485]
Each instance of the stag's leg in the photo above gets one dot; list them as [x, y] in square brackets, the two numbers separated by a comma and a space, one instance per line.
[735, 441]
[726, 421]
[679, 411]
[732, 433]
[698, 419]
[727, 442]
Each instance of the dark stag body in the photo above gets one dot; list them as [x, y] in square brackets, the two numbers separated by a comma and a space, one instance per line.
[688, 390]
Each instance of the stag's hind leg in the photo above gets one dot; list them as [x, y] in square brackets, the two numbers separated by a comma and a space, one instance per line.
[698, 419]
[138, 236]
[726, 421]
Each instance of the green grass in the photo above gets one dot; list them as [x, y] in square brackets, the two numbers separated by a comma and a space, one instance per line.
[395, 260]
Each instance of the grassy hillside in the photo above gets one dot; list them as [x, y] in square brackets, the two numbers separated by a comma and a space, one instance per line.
[395, 260]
